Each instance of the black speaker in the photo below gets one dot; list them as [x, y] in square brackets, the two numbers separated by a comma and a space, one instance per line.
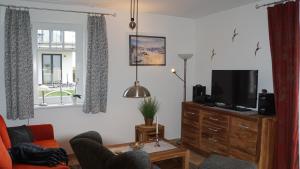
[199, 93]
[266, 104]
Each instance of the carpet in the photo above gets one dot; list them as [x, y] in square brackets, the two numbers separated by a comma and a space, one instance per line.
[192, 166]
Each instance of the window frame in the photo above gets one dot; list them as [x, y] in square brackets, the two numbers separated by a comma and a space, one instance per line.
[80, 49]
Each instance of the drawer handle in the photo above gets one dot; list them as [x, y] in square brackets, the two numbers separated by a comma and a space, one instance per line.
[213, 140]
[214, 130]
[190, 113]
[244, 126]
[214, 119]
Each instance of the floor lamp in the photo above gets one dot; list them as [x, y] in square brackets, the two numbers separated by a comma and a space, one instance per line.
[185, 57]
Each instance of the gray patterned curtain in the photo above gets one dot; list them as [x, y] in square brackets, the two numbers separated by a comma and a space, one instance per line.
[97, 65]
[18, 65]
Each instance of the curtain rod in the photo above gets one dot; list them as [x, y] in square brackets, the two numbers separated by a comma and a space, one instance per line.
[272, 3]
[60, 10]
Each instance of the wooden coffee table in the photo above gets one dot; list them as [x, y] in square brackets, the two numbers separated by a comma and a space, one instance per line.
[158, 154]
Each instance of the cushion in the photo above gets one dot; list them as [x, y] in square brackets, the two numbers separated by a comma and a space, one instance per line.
[4, 134]
[42, 131]
[220, 162]
[5, 160]
[20, 134]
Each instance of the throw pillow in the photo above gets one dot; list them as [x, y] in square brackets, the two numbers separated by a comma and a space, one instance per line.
[20, 134]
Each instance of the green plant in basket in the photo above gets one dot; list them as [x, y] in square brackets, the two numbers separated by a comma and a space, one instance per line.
[149, 107]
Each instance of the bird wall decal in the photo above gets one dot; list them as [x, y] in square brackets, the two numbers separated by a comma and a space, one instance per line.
[257, 48]
[235, 33]
[213, 53]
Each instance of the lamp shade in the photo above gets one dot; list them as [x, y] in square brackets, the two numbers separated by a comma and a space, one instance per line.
[185, 56]
[43, 88]
[136, 91]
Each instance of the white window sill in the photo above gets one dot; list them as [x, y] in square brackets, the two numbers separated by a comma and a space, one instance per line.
[53, 106]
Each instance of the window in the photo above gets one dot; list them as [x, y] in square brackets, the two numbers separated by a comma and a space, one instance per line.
[56, 39]
[51, 68]
[69, 40]
[43, 37]
[57, 63]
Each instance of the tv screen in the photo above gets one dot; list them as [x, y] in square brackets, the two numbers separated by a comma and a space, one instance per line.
[235, 87]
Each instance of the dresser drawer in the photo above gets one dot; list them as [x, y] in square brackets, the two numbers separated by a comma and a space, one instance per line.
[215, 119]
[244, 135]
[192, 122]
[188, 129]
[243, 124]
[215, 131]
[190, 136]
[212, 144]
[190, 113]
[190, 141]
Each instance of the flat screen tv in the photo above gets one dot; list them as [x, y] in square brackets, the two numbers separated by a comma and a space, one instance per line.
[235, 87]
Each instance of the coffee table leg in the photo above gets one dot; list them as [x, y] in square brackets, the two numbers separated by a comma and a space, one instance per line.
[186, 160]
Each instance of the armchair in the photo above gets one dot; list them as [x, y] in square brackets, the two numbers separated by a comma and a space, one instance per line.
[91, 154]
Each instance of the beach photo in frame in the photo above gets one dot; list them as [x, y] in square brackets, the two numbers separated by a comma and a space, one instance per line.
[151, 50]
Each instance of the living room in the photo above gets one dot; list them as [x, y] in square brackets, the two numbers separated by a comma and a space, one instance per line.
[220, 35]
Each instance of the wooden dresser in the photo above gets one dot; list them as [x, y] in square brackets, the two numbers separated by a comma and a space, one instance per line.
[210, 130]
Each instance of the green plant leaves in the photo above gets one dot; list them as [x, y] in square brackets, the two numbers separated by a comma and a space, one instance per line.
[148, 107]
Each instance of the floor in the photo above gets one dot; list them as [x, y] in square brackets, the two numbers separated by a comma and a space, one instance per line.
[195, 161]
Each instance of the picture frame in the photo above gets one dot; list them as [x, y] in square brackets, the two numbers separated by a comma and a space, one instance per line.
[151, 50]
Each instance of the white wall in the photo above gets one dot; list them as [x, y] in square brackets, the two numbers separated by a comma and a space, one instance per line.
[117, 125]
[215, 32]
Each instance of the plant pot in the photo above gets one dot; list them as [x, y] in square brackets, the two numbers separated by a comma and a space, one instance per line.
[148, 121]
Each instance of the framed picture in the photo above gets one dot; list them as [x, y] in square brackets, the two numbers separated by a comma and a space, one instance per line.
[151, 50]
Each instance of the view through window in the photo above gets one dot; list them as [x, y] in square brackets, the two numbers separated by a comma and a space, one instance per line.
[56, 65]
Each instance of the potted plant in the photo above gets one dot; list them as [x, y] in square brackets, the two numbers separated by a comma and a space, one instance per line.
[75, 97]
[148, 107]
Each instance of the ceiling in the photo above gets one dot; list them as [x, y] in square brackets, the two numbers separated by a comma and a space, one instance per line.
[181, 8]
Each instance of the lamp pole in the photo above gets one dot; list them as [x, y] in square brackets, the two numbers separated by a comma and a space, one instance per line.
[184, 81]
[185, 57]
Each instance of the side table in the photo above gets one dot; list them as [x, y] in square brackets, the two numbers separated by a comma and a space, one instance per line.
[145, 133]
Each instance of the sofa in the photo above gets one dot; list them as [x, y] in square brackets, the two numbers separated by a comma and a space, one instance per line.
[43, 136]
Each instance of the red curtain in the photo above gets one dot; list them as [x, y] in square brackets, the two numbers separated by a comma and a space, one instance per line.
[284, 42]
